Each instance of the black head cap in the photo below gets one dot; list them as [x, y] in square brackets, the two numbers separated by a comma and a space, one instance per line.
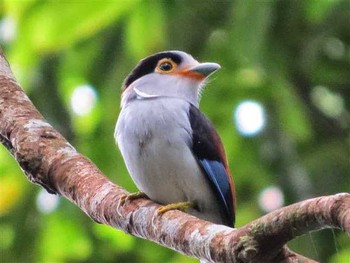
[149, 64]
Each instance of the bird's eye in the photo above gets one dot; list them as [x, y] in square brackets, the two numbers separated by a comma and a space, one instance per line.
[165, 66]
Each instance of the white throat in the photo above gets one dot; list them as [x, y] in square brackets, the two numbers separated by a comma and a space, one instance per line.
[155, 85]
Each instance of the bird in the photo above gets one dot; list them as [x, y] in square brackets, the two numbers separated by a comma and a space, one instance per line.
[170, 148]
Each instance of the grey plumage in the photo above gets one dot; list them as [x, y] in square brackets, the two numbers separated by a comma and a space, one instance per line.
[154, 135]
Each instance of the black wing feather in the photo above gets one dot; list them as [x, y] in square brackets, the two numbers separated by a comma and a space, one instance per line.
[208, 149]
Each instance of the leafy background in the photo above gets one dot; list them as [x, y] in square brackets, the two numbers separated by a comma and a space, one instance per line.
[291, 57]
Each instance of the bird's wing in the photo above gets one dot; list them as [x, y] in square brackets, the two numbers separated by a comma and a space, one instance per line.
[210, 154]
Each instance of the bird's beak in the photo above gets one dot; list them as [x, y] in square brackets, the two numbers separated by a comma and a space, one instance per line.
[205, 69]
[200, 71]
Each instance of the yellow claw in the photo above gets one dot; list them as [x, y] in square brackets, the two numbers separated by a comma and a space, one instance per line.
[129, 197]
[175, 206]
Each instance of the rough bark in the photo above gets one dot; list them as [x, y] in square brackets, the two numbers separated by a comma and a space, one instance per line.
[49, 160]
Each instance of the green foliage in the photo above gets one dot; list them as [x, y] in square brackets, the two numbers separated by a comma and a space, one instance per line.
[145, 30]
[70, 234]
[290, 56]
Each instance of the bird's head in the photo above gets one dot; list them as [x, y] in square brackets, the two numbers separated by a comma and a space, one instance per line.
[167, 74]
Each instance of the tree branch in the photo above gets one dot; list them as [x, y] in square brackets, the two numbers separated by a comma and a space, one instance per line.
[49, 160]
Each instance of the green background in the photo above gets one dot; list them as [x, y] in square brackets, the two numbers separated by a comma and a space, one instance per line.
[290, 56]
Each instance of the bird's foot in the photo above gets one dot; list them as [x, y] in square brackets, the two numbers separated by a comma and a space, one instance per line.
[175, 206]
[129, 197]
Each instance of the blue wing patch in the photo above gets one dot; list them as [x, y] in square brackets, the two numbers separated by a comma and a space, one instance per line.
[209, 152]
[217, 175]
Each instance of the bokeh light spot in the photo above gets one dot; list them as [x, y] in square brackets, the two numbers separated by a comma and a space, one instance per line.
[330, 103]
[271, 198]
[46, 203]
[83, 100]
[8, 29]
[249, 117]
[334, 48]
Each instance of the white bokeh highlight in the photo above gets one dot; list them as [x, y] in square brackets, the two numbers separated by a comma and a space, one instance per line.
[8, 29]
[271, 198]
[249, 118]
[83, 99]
[46, 203]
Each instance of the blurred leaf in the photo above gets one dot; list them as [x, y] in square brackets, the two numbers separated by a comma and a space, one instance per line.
[17, 9]
[182, 258]
[341, 257]
[246, 212]
[7, 236]
[343, 247]
[74, 21]
[69, 234]
[316, 10]
[12, 181]
[249, 77]
[145, 32]
[60, 25]
[292, 115]
[250, 22]
[11, 192]
[113, 237]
